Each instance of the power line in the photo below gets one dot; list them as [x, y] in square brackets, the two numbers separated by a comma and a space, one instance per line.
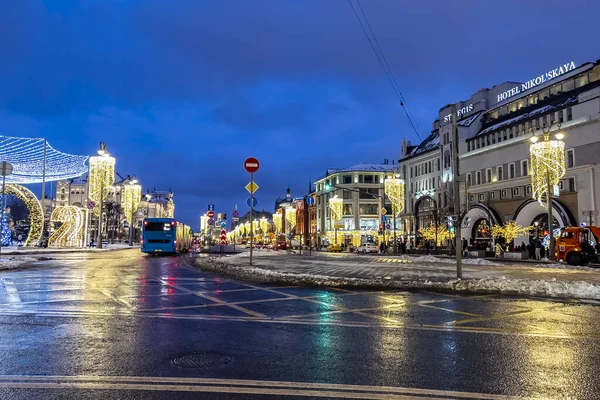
[382, 59]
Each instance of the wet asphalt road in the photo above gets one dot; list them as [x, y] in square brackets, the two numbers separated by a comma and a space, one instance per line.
[121, 325]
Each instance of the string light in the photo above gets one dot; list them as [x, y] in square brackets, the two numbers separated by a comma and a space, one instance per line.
[277, 221]
[394, 190]
[36, 222]
[6, 231]
[133, 195]
[27, 157]
[547, 165]
[290, 216]
[102, 177]
[70, 233]
[264, 225]
[510, 231]
[336, 205]
[436, 232]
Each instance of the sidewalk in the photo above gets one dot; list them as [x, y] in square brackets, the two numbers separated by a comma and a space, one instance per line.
[13, 250]
[405, 272]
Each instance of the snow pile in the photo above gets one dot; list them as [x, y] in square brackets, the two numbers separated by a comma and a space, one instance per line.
[477, 261]
[14, 262]
[430, 258]
[564, 266]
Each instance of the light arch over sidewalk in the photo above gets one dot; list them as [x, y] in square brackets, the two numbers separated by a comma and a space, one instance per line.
[34, 207]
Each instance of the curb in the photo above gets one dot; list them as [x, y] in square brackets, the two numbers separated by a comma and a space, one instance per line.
[543, 289]
[33, 253]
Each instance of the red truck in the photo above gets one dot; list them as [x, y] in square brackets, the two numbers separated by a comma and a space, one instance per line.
[578, 245]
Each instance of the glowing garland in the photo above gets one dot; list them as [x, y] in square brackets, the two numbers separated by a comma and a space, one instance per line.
[101, 178]
[264, 225]
[290, 217]
[547, 163]
[394, 190]
[336, 205]
[27, 157]
[439, 232]
[133, 195]
[510, 231]
[277, 221]
[70, 233]
[36, 223]
[6, 231]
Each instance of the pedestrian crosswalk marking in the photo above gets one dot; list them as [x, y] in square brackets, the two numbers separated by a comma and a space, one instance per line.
[393, 260]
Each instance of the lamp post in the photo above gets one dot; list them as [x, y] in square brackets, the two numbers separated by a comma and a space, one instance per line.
[102, 176]
[133, 194]
[148, 198]
[547, 168]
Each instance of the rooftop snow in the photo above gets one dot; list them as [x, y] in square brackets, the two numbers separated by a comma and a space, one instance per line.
[431, 142]
[364, 168]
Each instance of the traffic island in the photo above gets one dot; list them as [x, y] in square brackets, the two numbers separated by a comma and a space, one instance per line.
[269, 270]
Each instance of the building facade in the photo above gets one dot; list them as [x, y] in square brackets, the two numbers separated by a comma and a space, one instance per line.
[494, 131]
[361, 190]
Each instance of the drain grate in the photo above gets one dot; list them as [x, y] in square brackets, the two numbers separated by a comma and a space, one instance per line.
[202, 360]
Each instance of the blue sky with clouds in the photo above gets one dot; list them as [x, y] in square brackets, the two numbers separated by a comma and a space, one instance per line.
[183, 91]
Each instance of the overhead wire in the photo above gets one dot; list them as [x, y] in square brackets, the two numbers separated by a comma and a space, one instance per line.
[384, 65]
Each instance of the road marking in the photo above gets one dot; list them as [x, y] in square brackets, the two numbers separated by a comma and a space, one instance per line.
[13, 294]
[449, 310]
[237, 386]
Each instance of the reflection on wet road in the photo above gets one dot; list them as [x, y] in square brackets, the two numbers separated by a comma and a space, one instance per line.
[122, 325]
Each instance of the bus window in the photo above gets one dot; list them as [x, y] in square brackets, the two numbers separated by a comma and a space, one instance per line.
[158, 226]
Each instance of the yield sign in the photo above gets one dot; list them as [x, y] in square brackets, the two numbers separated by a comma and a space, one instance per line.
[252, 187]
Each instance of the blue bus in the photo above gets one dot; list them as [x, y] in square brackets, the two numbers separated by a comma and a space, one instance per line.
[165, 235]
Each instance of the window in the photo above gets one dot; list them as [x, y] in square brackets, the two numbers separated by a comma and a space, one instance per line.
[556, 89]
[493, 138]
[481, 196]
[581, 80]
[369, 179]
[571, 184]
[570, 158]
[368, 193]
[348, 209]
[369, 209]
[438, 164]
[411, 187]
[430, 169]
[528, 190]
[472, 198]
[569, 114]
[478, 177]
[492, 195]
[515, 192]
[504, 134]
[488, 175]
[511, 135]
[499, 173]
[361, 179]
[561, 119]
[503, 194]
[511, 171]
[594, 74]
[568, 85]
[411, 172]
[469, 182]
[347, 195]
[524, 169]
[468, 146]
[376, 178]
[62, 190]
[543, 94]
[522, 103]
[533, 99]
[561, 185]
[512, 107]
[62, 196]
[488, 139]
[347, 179]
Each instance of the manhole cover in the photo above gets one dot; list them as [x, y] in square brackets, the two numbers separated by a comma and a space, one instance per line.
[202, 360]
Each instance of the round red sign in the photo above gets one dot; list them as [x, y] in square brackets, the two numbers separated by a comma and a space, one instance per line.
[251, 164]
[210, 214]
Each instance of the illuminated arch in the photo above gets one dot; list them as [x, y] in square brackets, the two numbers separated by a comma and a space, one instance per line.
[70, 233]
[35, 211]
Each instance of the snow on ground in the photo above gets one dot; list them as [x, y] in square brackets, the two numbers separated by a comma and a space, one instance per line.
[445, 260]
[14, 262]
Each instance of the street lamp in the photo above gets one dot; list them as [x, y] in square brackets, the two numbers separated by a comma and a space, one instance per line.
[101, 177]
[394, 190]
[547, 168]
[148, 198]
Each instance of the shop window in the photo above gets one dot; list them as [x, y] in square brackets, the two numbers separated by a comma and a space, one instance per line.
[581, 80]
[348, 209]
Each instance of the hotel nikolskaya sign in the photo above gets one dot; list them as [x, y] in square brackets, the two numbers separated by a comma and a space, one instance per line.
[548, 76]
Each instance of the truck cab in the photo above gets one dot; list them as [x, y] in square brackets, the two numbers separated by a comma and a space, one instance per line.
[578, 245]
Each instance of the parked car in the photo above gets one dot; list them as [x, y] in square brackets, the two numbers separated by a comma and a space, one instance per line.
[282, 246]
[335, 247]
[368, 248]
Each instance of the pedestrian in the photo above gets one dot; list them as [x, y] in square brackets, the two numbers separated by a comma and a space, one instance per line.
[543, 252]
[408, 246]
[530, 251]
[498, 250]
[427, 246]
[381, 247]
[465, 246]
[538, 249]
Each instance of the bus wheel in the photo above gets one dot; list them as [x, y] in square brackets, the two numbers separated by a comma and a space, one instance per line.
[574, 259]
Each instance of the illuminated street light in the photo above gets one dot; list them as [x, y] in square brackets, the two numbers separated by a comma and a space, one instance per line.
[101, 177]
[394, 190]
[132, 193]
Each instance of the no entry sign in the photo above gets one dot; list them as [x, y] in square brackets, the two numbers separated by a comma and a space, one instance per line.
[211, 214]
[251, 164]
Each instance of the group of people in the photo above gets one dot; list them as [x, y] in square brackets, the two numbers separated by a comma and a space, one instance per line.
[404, 247]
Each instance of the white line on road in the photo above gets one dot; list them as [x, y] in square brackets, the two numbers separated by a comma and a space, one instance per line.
[237, 386]
[13, 294]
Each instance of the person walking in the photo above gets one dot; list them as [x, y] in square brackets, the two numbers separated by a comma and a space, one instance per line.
[538, 249]
[408, 245]
[498, 250]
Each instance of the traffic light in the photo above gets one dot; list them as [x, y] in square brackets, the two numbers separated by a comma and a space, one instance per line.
[451, 229]
[327, 186]
[224, 216]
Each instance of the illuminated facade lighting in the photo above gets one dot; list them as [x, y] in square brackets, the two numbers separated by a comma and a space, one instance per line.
[394, 190]
[290, 216]
[133, 195]
[277, 221]
[336, 204]
[547, 166]
[101, 179]
[70, 233]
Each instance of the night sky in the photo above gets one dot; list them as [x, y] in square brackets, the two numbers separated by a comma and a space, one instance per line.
[183, 91]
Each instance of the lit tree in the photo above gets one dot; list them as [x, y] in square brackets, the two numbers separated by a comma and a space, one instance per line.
[510, 231]
[436, 232]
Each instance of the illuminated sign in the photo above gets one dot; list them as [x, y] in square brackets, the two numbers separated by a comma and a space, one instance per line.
[548, 76]
[459, 112]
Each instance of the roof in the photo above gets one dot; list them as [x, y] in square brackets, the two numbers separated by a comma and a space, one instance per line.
[363, 168]
[431, 142]
[470, 120]
[542, 110]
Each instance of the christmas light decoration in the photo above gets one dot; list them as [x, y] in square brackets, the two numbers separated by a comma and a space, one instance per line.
[6, 231]
[264, 225]
[101, 178]
[290, 216]
[277, 221]
[510, 231]
[336, 205]
[394, 190]
[247, 228]
[132, 194]
[27, 157]
[436, 232]
[254, 225]
[36, 222]
[70, 233]
[547, 165]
